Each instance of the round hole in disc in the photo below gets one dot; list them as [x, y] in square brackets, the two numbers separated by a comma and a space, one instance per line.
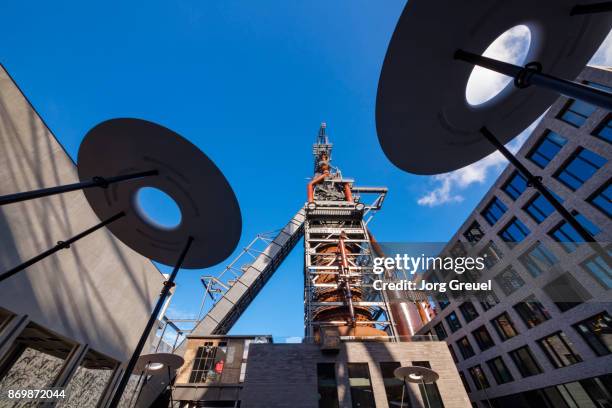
[511, 46]
[158, 208]
[154, 366]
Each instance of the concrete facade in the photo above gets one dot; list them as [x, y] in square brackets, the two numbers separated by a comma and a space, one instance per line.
[601, 296]
[285, 375]
[95, 296]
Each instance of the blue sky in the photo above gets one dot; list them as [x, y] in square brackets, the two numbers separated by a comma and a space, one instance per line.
[248, 82]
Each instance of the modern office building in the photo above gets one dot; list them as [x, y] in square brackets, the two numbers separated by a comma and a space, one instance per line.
[543, 336]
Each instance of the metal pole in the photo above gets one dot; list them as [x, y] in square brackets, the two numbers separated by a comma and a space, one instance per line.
[161, 337]
[531, 74]
[425, 392]
[60, 245]
[145, 334]
[137, 390]
[178, 334]
[170, 386]
[591, 8]
[536, 182]
[94, 182]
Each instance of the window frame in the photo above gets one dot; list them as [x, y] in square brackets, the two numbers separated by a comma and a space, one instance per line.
[494, 210]
[509, 185]
[498, 328]
[604, 349]
[537, 310]
[537, 150]
[467, 351]
[520, 226]
[521, 367]
[497, 376]
[552, 353]
[578, 154]
[478, 339]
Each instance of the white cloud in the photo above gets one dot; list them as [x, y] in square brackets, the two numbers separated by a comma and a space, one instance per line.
[512, 46]
[450, 184]
[603, 56]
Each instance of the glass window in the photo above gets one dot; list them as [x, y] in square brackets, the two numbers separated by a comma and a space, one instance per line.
[532, 312]
[468, 311]
[599, 270]
[473, 233]
[515, 231]
[547, 148]
[559, 350]
[327, 385]
[483, 338]
[494, 211]
[393, 386]
[599, 389]
[491, 254]
[604, 131]
[465, 348]
[442, 299]
[525, 361]
[361, 387]
[568, 237]
[509, 280]
[440, 331]
[597, 332]
[499, 370]
[488, 300]
[539, 208]
[204, 364]
[478, 377]
[515, 186]
[566, 292]
[602, 199]
[433, 393]
[464, 381]
[537, 259]
[452, 352]
[579, 168]
[576, 112]
[453, 322]
[458, 250]
[504, 326]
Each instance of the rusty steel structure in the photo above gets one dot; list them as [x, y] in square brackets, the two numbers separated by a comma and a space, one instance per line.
[338, 264]
[338, 254]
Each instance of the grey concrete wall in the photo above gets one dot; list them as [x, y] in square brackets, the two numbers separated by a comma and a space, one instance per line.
[98, 292]
[285, 375]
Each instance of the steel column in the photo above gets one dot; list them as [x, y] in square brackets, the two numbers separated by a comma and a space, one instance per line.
[60, 245]
[94, 182]
[145, 334]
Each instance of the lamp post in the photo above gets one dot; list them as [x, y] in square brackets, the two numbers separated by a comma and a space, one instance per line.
[417, 375]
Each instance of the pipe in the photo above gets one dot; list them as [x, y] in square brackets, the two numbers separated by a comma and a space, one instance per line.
[347, 192]
[347, 286]
[311, 184]
[398, 306]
